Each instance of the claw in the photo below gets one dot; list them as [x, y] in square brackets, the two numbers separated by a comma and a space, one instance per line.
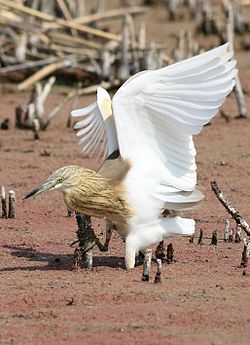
[73, 243]
[87, 247]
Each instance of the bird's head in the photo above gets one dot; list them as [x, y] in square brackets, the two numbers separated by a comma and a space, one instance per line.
[62, 179]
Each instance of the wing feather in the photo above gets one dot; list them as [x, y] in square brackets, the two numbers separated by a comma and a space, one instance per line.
[157, 113]
[97, 128]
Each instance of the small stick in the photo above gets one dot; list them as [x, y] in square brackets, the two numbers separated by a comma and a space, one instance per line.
[198, 14]
[231, 235]
[214, 240]
[245, 253]
[170, 253]
[230, 209]
[74, 103]
[191, 239]
[12, 199]
[160, 251]
[21, 47]
[36, 127]
[200, 237]
[146, 265]
[19, 112]
[5, 125]
[158, 273]
[28, 64]
[44, 72]
[172, 6]
[66, 13]
[248, 246]
[123, 72]
[61, 22]
[110, 14]
[230, 38]
[4, 203]
[226, 230]
[238, 17]
[237, 233]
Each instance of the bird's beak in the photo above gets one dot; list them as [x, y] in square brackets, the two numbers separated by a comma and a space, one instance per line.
[42, 188]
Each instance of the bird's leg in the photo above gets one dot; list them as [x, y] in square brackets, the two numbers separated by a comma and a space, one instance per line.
[109, 229]
[86, 238]
[130, 252]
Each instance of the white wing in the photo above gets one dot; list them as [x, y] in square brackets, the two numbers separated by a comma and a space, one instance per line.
[97, 128]
[156, 115]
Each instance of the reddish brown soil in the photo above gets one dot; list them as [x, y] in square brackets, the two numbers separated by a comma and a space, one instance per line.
[204, 298]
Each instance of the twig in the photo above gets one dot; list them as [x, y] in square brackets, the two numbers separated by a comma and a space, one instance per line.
[116, 13]
[4, 203]
[67, 15]
[245, 253]
[230, 38]
[191, 239]
[36, 127]
[74, 103]
[160, 251]
[230, 209]
[12, 199]
[226, 230]
[42, 73]
[5, 125]
[123, 71]
[170, 253]
[68, 40]
[214, 240]
[28, 64]
[200, 237]
[237, 233]
[158, 272]
[61, 22]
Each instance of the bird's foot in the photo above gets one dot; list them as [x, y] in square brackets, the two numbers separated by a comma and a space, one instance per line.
[73, 243]
[102, 247]
[80, 256]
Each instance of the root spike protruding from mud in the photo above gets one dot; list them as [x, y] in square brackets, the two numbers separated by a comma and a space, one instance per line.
[170, 253]
[146, 265]
[214, 240]
[158, 272]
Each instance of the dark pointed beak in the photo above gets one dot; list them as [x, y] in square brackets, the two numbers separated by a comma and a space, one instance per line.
[42, 188]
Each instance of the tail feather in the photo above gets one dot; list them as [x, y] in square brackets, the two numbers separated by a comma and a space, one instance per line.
[178, 226]
[144, 236]
[181, 200]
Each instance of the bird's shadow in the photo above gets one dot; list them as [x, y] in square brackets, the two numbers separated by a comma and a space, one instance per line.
[56, 261]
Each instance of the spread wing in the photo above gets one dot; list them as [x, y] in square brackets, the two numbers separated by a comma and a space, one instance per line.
[97, 128]
[156, 115]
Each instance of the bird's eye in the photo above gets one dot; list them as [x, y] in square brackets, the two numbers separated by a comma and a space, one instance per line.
[60, 180]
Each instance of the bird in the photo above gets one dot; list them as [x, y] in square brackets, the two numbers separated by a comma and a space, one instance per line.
[144, 137]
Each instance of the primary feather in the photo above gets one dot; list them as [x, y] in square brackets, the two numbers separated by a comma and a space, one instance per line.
[156, 114]
[97, 128]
